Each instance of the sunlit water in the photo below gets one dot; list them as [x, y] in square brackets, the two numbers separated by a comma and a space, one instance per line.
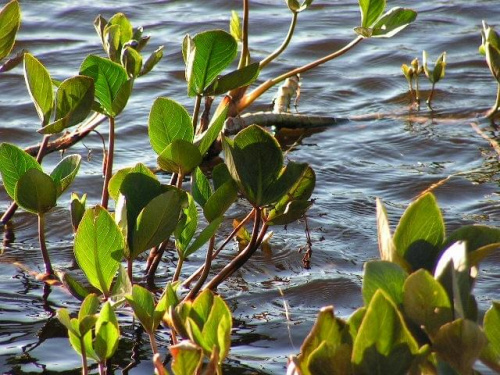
[393, 158]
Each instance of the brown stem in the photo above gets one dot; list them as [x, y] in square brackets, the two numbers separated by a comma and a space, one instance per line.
[178, 269]
[129, 269]
[200, 269]
[109, 163]
[152, 340]
[180, 177]
[43, 246]
[257, 92]
[196, 111]
[242, 257]
[206, 270]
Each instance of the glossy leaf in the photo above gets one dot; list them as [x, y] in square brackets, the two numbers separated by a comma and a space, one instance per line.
[89, 306]
[220, 175]
[460, 343]
[293, 211]
[327, 348]
[116, 181]
[386, 276]
[73, 286]
[237, 78]
[214, 129]
[439, 67]
[152, 60]
[383, 344]
[186, 358]
[254, 160]
[107, 333]
[204, 236]
[420, 233]
[220, 201]
[489, 35]
[121, 287]
[371, 10]
[393, 22]
[186, 228]
[474, 236]
[14, 163]
[74, 100]
[211, 52]
[10, 20]
[235, 26]
[143, 304]
[491, 327]
[65, 172]
[200, 188]
[111, 83]
[168, 121]
[126, 31]
[156, 222]
[35, 192]
[99, 248]
[426, 302]
[131, 61]
[39, 87]
[180, 156]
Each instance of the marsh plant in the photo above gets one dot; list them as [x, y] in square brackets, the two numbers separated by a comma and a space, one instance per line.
[149, 216]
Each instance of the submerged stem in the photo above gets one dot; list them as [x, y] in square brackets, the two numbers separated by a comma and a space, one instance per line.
[43, 246]
[109, 162]
[492, 112]
[257, 92]
[285, 43]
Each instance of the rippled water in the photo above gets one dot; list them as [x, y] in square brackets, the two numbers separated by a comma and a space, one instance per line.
[394, 158]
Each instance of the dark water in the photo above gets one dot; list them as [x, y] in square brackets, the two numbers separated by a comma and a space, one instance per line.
[394, 158]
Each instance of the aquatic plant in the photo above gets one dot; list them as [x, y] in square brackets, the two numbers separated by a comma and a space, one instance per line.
[434, 75]
[490, 47]
[419, 315]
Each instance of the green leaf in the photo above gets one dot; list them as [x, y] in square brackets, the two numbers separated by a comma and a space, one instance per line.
[39, 86]
[99, 25]
[122, 286]
[254, 160]
[491, 328]
[35, 192]
[489, 35]
[10, 20]
[156, 222]
[111, 84]
[328, 343]
[186, 228]
[214, 129]
[131, 61]
[420, 233]
[89, 306]
[112, 46]
[236, 79]
[180, 156]
[12, 62]
[152, 60]
[76, 289]
[107, 333]
[14, 163]
[474, 236]
[460, 343]
[142, 302]
[74, 100]
[220, 175]
[168, 121]
[296, 7]
[64, 318]
[426, 302]
[293, 211]
[211, 52]
[116, 181]
[99, 248]
[371, 10]
[204, 236]
[383, 344]
[235, 26]
[186, 358]
[386, 276]
[220, 201]
[439, 67]
[126, 30]
[200, 188]
[65, 172]
[393, 22]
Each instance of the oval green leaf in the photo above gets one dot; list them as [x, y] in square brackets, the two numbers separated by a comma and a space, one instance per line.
[116, 181]
[35, 192]
[65, 172]
[99, 247]
[10, 20]
[371, 10]
[386, 276]
[180, 156]
[393, 22]
[39, 86]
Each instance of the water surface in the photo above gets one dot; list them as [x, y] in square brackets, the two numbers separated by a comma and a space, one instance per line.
[394, 158]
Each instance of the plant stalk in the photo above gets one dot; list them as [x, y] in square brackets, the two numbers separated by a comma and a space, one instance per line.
[431, 95]
[109, 163]
[206, 270]
[196, 111]
[242, 257]
[152, 340]
[43, 245]
[200, 269]
[285, 43]
[492, 112]
[257, 92]
[245, 53]
[102, 368]
[129, 269]
[85, 370]
[178, 269]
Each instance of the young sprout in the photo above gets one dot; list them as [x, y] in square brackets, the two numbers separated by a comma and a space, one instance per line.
[436, 74]
[491, 48]
[408, 73]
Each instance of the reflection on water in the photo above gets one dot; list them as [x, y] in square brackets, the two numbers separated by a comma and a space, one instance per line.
[395, 158]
